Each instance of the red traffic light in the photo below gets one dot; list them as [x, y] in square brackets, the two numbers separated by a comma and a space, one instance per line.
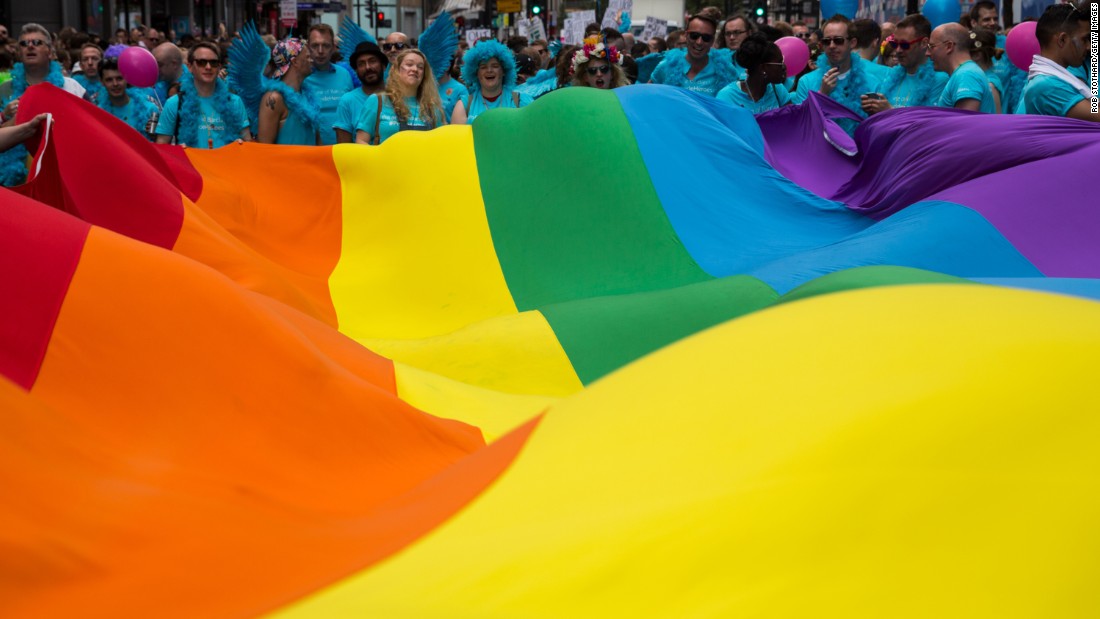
[381, 15]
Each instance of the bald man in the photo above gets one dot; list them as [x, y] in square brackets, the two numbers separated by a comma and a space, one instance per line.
[394, 44]
[967, 87]
[170, 61]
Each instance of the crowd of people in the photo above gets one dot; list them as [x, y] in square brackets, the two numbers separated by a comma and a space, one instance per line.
[313, 96]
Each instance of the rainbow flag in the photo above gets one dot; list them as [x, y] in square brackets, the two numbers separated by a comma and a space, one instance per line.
[628, 353]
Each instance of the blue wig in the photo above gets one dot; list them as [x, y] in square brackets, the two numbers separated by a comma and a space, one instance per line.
[483, 52]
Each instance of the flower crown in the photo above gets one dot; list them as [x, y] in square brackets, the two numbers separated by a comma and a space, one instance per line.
[594, 48]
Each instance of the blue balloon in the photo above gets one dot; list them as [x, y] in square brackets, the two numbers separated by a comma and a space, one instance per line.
[941, 12]
[846, 8]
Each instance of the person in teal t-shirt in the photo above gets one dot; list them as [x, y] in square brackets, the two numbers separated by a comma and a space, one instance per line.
[411, 102]
[1052, 89]
[967, 87]
[328, 82]
[699, 67]
[763, 89]
[204, 114]
[370, 64]
[288, 114]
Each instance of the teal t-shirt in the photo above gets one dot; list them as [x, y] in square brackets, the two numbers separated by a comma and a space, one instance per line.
[135, 113]
[93, 91]
[910, 90]
[995, 84]
[775, 95]
[477, 105]
[349, 109]
[389, 124]
[451, 92]
[1049, 96]
[212, 128]
[968, 82]
[327, 87]
[707, 82]
[296, 131]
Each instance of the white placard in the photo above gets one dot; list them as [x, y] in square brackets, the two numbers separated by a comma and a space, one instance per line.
[473, 35]
[613, 16]
[536, 30]
[523, 26]
[654, 28]
[287, 9]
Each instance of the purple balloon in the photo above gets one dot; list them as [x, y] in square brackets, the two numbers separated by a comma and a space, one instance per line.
[138, 66]
[795, 54]
[1021, 44]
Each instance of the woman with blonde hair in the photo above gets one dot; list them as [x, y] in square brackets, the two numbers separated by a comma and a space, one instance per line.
[410, 102]
[598, 66]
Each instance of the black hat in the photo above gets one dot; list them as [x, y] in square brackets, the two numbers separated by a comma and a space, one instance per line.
[366, 47]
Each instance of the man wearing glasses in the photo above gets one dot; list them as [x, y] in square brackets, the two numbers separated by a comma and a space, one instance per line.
[204, 114]
[394, 44]
[967, 86]
[913, 82]
[842, 76]
[736, 30]
[700, 67]
[35, 49]
[327, 84]
[1052, 90]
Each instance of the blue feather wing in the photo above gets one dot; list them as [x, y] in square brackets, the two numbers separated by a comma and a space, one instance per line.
[248, 55]
[438, 43]
[646, 65]
[351, 35]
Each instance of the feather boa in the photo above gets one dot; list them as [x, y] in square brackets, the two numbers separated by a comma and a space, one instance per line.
[13, 162]
[926, 76]
[849, 91]
[677, 66]
[190, 113]
[301, 104]
[141, 109]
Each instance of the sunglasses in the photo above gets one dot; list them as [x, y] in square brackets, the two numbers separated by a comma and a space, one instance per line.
[594, 70]
[903, 45]
[207, 62]
[32, 43]
[695, 36]
[392, 46]
[803, 35]
[834, 41]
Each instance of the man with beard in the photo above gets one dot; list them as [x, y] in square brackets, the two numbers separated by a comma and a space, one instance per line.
[700, 67]
[328, 82]
[370, 65]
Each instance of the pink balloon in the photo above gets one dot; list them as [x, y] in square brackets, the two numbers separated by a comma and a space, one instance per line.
[138, 66]
[1021, 44]
[795, 54]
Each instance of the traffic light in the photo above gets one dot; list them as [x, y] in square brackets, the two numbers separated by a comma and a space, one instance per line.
[759, 11]
[381, 16]
[536, 9]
